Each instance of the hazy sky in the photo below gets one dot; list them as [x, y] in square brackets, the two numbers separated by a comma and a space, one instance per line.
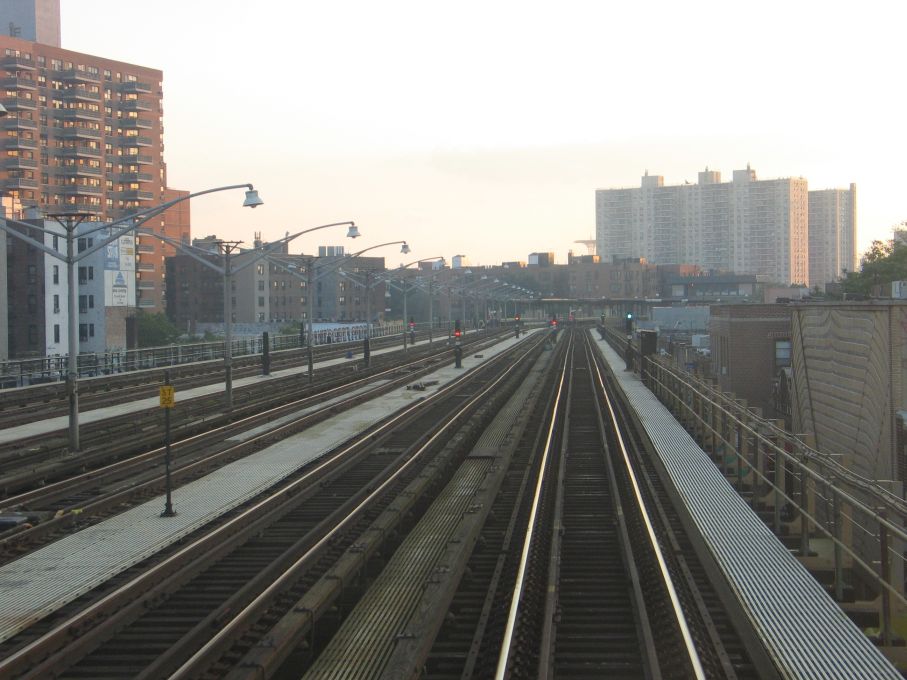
[484, 128]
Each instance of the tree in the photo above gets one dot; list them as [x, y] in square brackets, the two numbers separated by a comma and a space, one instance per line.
[155, 330]
[884, 262]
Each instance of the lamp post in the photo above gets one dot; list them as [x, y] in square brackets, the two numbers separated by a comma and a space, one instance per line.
[403, 284]
[311, 279]
[367, 346]
[117, 228]
[228, 269]
[431, 316]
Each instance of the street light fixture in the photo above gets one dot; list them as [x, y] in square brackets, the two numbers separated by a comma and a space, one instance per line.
[403, 282]
[117, 229]
[228, 270]
[311, 279]
[366, 345]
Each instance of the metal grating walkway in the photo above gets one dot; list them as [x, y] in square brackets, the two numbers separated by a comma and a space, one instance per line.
[803, 628]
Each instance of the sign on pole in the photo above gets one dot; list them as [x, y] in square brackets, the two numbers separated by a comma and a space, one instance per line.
[168, 398]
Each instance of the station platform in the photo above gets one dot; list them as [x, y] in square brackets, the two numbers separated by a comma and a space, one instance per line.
[41, 582]
[61, 423]
[807, 634]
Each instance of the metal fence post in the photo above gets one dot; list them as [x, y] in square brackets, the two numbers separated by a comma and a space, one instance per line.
[885, 623]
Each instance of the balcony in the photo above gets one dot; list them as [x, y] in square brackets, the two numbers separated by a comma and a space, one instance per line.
[17, 64]
[77, 170]
[134, 195]
[78, 190]
[14, 162]
[19, 183]
[135, 105]
[134, 177]
[76, 207]
[16, 123]
[133, 86]
[80, 133]
[131, 158]
[133, 141]
[76, 151]
[134, 124]
[78, 114]
[16, 83]
[80, 94]
[74, 75]
[20, 104]
[19, 143]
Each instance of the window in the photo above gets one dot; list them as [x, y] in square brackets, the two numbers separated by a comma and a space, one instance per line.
[83, 332]
[782, 353]
[56, 306]
[57, 333]
[56, 274]
[32, 302]
[261, 285]
[31, 274]
[261, 301]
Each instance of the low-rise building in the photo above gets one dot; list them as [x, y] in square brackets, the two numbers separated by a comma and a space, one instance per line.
[750, 344]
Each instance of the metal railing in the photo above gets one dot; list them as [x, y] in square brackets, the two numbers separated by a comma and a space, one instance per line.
[23, 372]
[803, 493]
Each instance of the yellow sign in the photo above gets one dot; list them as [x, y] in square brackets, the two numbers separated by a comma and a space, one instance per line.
[167, 396]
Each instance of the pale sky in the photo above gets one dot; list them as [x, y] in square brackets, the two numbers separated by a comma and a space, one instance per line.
[484, 128]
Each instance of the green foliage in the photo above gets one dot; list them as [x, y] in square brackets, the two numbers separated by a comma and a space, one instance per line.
[155, 330]
[884, 262]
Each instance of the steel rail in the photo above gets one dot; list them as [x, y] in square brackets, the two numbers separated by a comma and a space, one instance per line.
[690, 646]
[96, 475]
[244, 618]
[55, 640]
[519, 585]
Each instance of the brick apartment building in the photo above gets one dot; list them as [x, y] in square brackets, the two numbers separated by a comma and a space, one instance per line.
[750, 344]
[266, 292]
[84, 134]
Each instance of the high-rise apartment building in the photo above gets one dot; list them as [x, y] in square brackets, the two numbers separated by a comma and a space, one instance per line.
[832, 234]
[84, 134]
[34, 20]
[749, 226]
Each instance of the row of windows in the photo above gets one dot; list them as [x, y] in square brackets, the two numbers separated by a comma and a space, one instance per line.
[86, 330]
[60, 65]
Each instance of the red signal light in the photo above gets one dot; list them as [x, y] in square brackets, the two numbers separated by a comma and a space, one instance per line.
[457, 333]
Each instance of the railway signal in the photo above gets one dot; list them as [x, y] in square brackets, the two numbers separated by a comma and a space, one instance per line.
[168, 400]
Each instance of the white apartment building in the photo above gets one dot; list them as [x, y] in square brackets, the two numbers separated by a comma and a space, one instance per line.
[107, 290]
[748, 226]
[832, 234]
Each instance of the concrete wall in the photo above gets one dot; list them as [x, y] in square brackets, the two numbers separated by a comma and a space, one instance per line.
[849, 373]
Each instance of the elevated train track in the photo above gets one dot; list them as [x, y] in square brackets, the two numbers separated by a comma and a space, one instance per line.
[514, 523]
